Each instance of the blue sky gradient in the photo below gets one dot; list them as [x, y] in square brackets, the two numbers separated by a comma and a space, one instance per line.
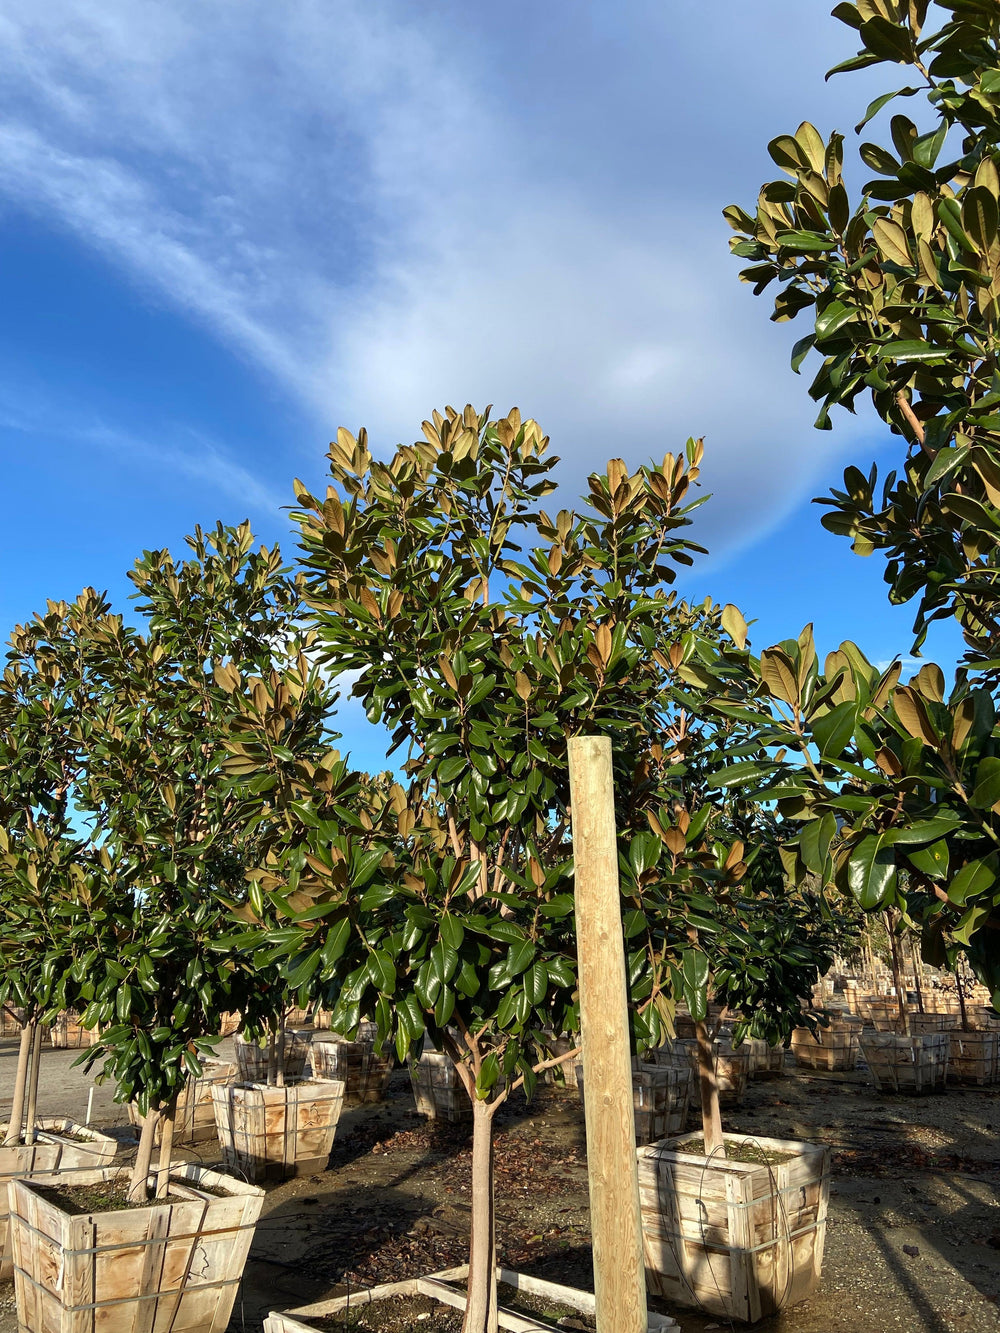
[229, 227]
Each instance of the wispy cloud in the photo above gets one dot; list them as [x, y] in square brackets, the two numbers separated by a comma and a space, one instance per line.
[364, 198]
[178, 452]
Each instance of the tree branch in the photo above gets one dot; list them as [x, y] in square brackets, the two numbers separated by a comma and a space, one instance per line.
[914, 422]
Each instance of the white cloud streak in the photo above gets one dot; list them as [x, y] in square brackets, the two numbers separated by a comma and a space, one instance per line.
[339, 191]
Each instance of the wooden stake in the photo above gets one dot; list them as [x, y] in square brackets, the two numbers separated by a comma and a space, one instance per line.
[619, 1275]
[166, 1148]
[16, 1122]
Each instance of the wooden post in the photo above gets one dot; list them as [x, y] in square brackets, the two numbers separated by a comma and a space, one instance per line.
[897, 976]
[619, 1274]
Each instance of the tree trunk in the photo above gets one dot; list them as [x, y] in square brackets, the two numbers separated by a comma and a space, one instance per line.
[272, 1057]
[897, 977]
[915, 955]
[481, 1304]
[871, 957]
[33, 1072]
[708, 1086]
[138, 1186]
[961, 994]
[166, 1147]
[16, 1122]
[279, 1076]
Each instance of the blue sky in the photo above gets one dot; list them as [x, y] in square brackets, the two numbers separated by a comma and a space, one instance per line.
[230, 226]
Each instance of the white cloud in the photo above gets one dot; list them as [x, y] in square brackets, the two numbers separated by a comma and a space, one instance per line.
[185, 453]
[342, 193]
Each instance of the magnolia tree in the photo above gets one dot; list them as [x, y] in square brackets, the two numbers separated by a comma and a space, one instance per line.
[483, 632]
[901, 287]
[175, 829]
[892, 786]
[52, 884]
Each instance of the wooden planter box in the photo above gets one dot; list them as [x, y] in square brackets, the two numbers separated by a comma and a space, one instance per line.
[67, 1034]
[11, 1023]
[736, 1239]
[921, 1023]
[437, 1089]
[882, 1013]
[175, 1265]
[564, 1075]
[251, 1058]
[449, 1288]
[364, 1074]
[661, 1094]
[766, 1061]
[942, 1002]
[906, 1064]
[194, 1119]
[273, 1133]
[732, 1066]
[832, 1048]
[973, 1057]
[983, 1017]
[61, 1147]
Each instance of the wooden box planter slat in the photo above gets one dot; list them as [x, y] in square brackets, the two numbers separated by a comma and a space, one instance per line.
[882, 1013]
[942, 1002]
[61, 1148]
[272, 1133]
[437, 1089]
[766, 1061]
[973, 1057]
[364, 1074]
[906, 1064]
[194, 1119]
[251, 1058]
[171, 1267]
[11, 1021]
[661, 1095]
[982, 1018]
[447, 1287]
[739, 1240]
[833, 1048]
[921, 1023]
[67, 1034]
[732, 1065]
[563, 1075]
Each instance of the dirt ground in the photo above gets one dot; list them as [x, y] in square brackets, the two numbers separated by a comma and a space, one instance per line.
[913, 1172]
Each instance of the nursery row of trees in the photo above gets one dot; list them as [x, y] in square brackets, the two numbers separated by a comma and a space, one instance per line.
[180, 838]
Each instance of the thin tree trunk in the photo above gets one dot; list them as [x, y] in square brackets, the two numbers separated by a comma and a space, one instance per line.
[166, 1148]
[272, 1057]
[16, 1122]
[915, 954]
[897, 977]
[708, 1086]
[961, 995]
[481, 1303]
[138, 1186]
[33, 1072]
[280, 1057]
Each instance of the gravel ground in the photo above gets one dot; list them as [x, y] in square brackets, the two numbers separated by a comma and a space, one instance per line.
[919, 1173]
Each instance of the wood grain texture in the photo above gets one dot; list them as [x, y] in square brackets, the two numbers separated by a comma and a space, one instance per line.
[619, 1283]
[737, 1239]
[172, 1267]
